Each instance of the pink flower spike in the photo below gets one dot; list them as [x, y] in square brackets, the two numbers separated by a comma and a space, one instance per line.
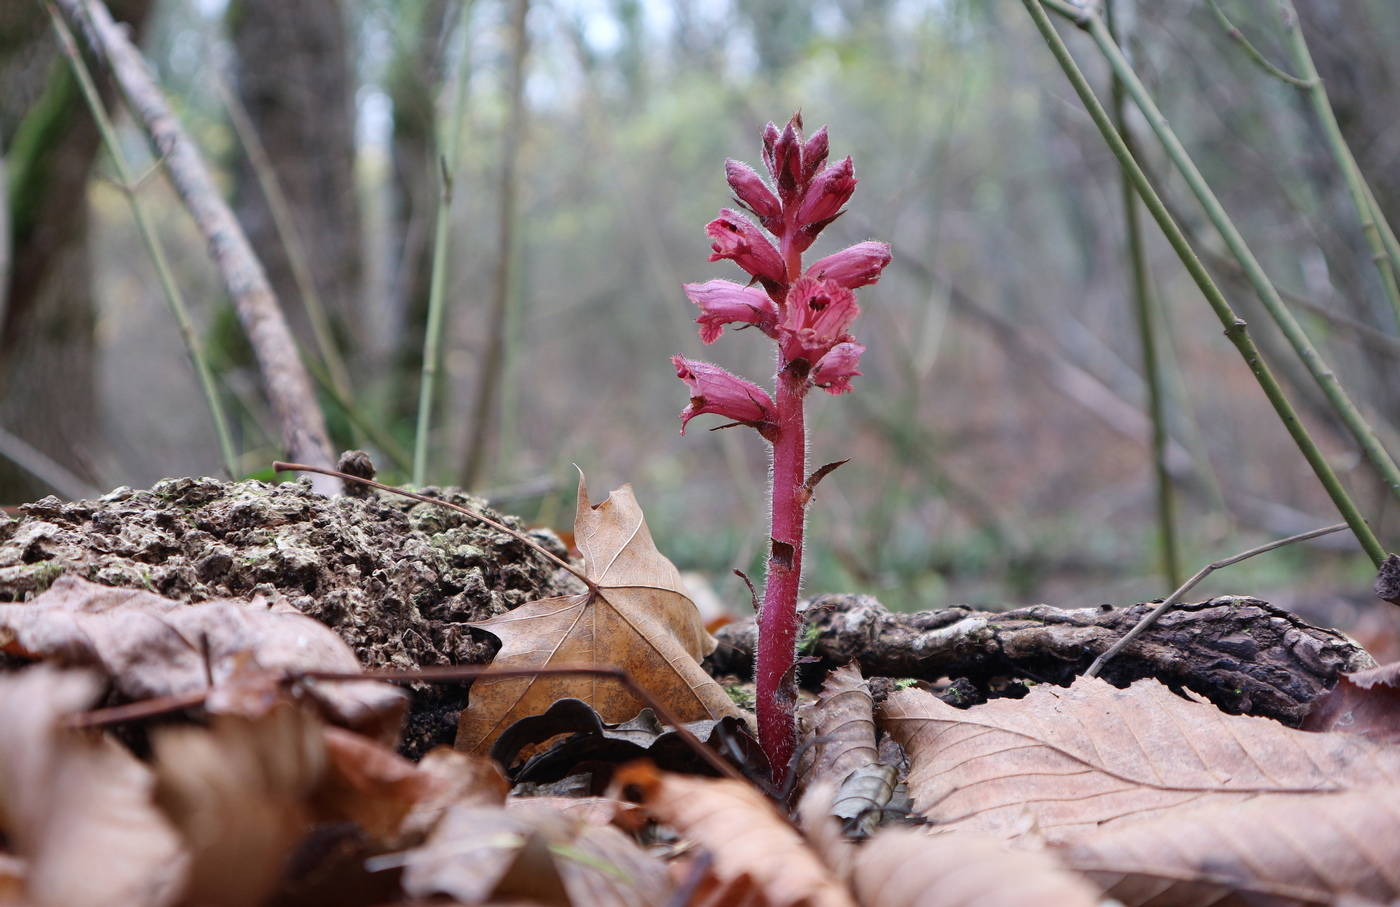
[834, 372]
[770, 141]
[714, 390]
[853, 267]
[814, 154]
[829, 190]
[749, 188]
[724, 302]
[734, 236]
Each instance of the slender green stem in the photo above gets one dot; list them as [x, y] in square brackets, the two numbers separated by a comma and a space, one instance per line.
[1147, 335]
[172, 292]
[1361, 197]
[1235, 328]
[1253, 52]
[1392, 245]
[1322, 374]
[432, 338]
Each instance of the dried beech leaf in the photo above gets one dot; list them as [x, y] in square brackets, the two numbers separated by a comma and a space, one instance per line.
[640, 620]
[1089, 755]
[151, 646]
[1365, 703]
[472, 851]
[1273, 849]
[593, 810]
[741, 830]
[842, 729]
[907, 868]
[238, 793]
[77, 807]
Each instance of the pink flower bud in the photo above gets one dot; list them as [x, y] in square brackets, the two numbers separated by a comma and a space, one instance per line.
[814, 154]
[828, 191]
[853, 267]
[815, 320]
[734, 236]
[787, 161]
[834, 371]
[749, 188]
[724, 302]
[714, 390]
[770, 142]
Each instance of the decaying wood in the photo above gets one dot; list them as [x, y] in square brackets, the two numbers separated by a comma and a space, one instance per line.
[288, 386]
[1244, 654]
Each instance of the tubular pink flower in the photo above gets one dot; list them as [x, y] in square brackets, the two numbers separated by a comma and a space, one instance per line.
[735, 237]
[829, 190]
[714, 390]
[750, 189]
[853, 267]
[834, 371]
[724, 302]
[815, 320]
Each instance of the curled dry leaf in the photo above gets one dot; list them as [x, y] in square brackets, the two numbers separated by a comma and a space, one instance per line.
[150, 646]
[238, 793]
[369, 784]
[1365, 703]
[458, 780]
[1274, 849]
[744, 834]
[576, 734]
[842, 726]
[638, 619]
[1092, 755]
[907, 868]
[77, 806]
[474, 854]
[843, 750]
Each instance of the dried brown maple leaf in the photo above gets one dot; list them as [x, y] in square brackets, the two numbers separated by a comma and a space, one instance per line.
[638, 618]
[1090, 755]
[742, 831]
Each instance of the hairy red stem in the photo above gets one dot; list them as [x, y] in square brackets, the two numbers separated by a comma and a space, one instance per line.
[778, 622]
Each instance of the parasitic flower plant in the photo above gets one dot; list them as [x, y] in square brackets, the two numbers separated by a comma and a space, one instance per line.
[808, 313]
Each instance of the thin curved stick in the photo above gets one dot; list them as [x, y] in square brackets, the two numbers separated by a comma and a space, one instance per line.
[1190, 584]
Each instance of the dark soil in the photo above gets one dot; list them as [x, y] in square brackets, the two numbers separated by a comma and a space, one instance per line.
[397, 579]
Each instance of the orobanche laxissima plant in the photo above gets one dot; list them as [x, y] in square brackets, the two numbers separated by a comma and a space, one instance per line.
[807, 312]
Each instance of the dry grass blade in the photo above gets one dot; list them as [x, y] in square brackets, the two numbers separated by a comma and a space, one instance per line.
[906, 868]
[741, 830]
[1090, 755]
[77, 807]
[1274, 849]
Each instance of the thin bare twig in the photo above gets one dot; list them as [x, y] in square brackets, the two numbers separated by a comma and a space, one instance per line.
[1234, 34]
[165, 705]
[1191, 583]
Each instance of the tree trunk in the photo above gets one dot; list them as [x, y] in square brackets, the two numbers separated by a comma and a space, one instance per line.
[47, 345]
[294, 79]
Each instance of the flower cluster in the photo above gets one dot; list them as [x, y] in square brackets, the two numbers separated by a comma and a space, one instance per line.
[807, 312]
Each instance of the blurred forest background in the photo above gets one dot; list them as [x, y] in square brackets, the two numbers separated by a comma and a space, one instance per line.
[1000, 451]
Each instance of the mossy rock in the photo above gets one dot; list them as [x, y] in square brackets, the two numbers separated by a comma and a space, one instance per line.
[396, 578]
